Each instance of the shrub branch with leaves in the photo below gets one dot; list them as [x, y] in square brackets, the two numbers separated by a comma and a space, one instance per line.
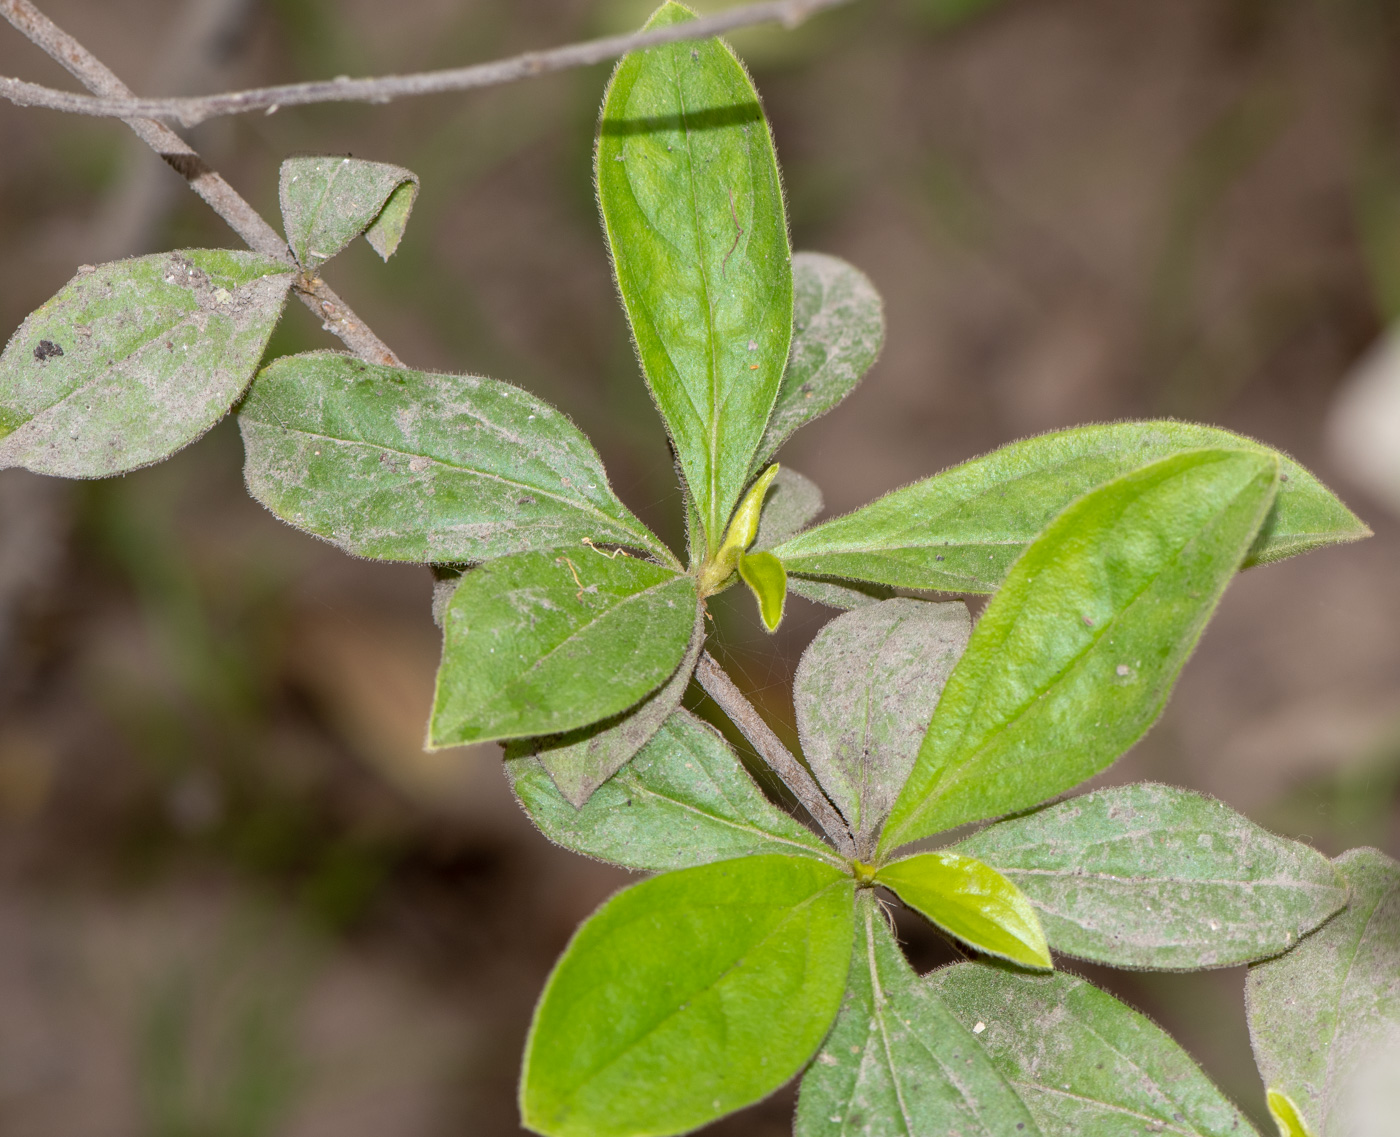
[761, 949]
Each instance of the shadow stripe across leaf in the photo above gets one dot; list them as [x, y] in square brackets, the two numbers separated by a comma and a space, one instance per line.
[418, 466]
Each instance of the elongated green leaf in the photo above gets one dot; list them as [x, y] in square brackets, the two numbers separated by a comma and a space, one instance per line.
[684, 800]
[1325, 1017]
[972, 901]
[1285, 1115]
[1157, 877]
[693, 209]
[898, 1063]
[1085, 1064]
[415, 466]
[1074, 658]
[865, 691]
[764, 575]
[688, 996]
[328, 202]
[792, 502]
[135, 359]
[961, 530]
[838, 327]
[543, 642]
[582, 760]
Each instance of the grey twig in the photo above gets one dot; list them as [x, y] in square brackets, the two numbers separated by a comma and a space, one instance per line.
[112, 103]
[770, 748]
[334, 313]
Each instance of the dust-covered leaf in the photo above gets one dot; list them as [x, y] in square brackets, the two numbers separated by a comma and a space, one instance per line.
[684, 799]
[582, 760]
[417, 466]
[792, 501]
[864, 693]
[689, 996]
[764, 575]
[1075, 656]
[693, 209]
[1325, 1017]
[838, 327]
[327, 202]
[842, 594]
[973, 902]
[898, 1063]
[960, 531]
[1156, 877]
[135, 359]
[544, 642]
[1085, 1064]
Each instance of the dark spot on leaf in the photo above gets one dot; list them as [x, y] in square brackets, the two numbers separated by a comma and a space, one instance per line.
[47, 349]
[1020, 1125]
[1088, 623]
[526, 500]
[938, 556]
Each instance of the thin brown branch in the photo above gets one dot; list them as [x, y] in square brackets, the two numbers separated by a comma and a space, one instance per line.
[191, 110]
[335, 314]
[770, 748]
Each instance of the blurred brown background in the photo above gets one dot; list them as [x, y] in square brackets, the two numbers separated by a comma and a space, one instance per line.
[236, 900]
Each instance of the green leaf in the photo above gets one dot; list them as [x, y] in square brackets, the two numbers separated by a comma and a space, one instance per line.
[1325, 1017]
[960, 530]
[415, 466]
[135, 359]
[689, 996]
[1075, 656]
[1156, 877]
[764, 575]
[842, 594]
[973, 902]
[328, 202]
[1085, 1064]
[693, 209]
[838, 327]
[864, 693]
[898, 1063]
[582, 760]
[543, 642]
[1285, 1115]
[684, 800]
[792, 501]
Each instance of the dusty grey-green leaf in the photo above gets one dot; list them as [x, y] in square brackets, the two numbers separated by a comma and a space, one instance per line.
[1325, 1017]
[417, 466]
[865, 691]
[838, 327]
[1085, 1064]
[582, 760]
[898, 1063]
[329, 201]
[544, 642]
[684, 799]
[793, 500]
[960, 531]
[1156, 877]
[135, 359]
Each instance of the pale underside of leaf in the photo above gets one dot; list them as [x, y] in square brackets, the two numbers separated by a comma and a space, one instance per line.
[898, 1063]
[1085, 1064]
[961, 530]
[838, 328]
[1324, 1018]
[419, 466]
[692, 207]
[1074, 658]
[582, 760]
[545, 642]
[685, 799]
[864, 693]
[793, 500]
[136, 359]
[329, 201]
[688, 996]
[1151, 876]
